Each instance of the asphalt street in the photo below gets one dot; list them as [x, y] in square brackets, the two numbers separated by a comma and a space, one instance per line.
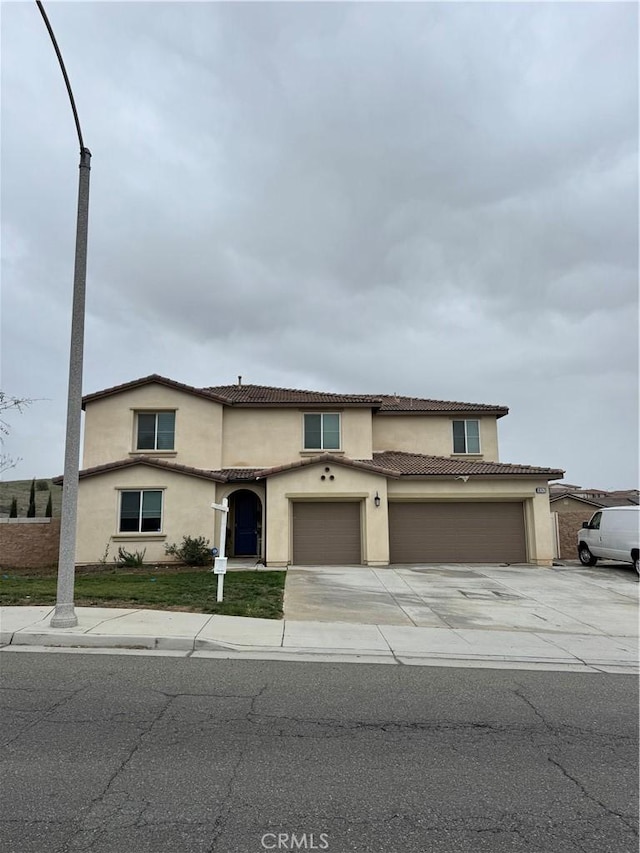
[152, 754]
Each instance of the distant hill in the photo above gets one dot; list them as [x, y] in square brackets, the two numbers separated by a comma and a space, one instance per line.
[19, 489]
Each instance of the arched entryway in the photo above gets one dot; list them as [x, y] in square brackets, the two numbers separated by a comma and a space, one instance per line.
[245, 523]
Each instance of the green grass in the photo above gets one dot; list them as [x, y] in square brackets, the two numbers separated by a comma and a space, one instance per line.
[256, 594]
[19, 489]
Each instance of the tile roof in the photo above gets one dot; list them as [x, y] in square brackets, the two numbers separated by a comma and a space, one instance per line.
[417, 464]
[234, 474]
[608, 500]
[393, 403]
[148, 380]
[151, 462]
[370, 465]
[268, 395]
[391, 463]
[265, 395]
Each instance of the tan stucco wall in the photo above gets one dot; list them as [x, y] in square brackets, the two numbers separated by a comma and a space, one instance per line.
[536, 506]
[430, 434]
[109, 427]
[348, 484]
[227, 490]
[186, 511]
[267, 437]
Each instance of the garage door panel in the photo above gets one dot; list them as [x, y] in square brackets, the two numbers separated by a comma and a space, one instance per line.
[326, 533]
[457, 532]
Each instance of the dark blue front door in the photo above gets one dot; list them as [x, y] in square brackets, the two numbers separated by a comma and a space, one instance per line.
[247, 508]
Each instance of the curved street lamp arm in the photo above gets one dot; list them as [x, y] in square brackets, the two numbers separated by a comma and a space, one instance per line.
[64, 74]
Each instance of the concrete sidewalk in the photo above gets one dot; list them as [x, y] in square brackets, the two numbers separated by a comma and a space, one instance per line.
[203, 635]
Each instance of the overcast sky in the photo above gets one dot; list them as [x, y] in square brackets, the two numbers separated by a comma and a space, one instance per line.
[431, 199]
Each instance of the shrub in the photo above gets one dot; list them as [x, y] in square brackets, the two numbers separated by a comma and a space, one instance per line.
[194, 551]
[41, 485]
[13, 512]
[130, 560]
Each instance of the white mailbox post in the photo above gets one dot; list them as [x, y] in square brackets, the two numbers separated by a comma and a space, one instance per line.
[220, 563]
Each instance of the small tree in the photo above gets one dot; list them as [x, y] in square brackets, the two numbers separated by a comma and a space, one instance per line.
[49, 510]
[31, 511]
[13, 512]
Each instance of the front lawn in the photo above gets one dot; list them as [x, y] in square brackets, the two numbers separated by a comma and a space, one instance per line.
[256, 594]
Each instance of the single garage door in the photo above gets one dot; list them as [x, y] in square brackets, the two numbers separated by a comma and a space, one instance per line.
[457, 533]
[326, 534]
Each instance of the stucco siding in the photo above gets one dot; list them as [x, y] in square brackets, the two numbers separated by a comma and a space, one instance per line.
[268, 437]
[306, 484]
[109, 427]
[430, 434]
[186, 511]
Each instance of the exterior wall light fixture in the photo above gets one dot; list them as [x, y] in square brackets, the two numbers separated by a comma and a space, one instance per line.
[376, 500]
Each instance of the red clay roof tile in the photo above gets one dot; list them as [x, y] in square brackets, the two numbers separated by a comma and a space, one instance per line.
[417, 465]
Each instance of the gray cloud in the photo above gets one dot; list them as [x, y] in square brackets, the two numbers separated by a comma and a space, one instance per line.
[437, 199]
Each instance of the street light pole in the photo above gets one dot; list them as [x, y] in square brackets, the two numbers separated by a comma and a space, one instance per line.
[64, 615]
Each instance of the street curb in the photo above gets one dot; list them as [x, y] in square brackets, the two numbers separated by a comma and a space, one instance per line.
[25, 641]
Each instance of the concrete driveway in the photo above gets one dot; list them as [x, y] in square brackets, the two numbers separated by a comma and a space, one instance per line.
[565, 599]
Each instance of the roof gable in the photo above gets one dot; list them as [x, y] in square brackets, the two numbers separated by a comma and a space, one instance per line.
[153, 378]
[150, 462]
[367, 465]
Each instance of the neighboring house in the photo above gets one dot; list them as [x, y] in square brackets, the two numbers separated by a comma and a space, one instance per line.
[311, 477]
[573, 505]
[577, 499]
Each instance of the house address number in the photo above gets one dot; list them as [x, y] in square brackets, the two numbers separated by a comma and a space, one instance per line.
[540, 490]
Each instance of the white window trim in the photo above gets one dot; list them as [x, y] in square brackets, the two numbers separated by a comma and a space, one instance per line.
[465, 421]
[311, 450]
[139, 534]
[156, 412]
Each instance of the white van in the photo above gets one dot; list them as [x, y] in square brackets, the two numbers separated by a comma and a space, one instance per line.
[611, 534]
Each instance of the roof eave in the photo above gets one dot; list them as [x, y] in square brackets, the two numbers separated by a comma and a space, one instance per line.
[150, 462]
[156, 379]
[498, 413]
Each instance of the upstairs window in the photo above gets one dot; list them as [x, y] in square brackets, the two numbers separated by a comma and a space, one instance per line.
[322, 431]
[466, 437]
[156, 431]
[141, 511]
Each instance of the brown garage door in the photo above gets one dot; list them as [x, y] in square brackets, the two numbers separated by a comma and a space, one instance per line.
[326, 534]
[457, 533]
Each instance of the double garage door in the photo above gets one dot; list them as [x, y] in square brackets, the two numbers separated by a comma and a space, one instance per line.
[457, 532]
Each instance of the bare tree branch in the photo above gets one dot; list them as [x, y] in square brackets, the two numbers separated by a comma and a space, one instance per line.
[7, 402]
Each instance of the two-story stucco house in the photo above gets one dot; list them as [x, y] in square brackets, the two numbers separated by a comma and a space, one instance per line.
[311, 477]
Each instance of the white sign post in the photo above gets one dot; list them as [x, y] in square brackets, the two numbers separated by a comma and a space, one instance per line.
[220, 563]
